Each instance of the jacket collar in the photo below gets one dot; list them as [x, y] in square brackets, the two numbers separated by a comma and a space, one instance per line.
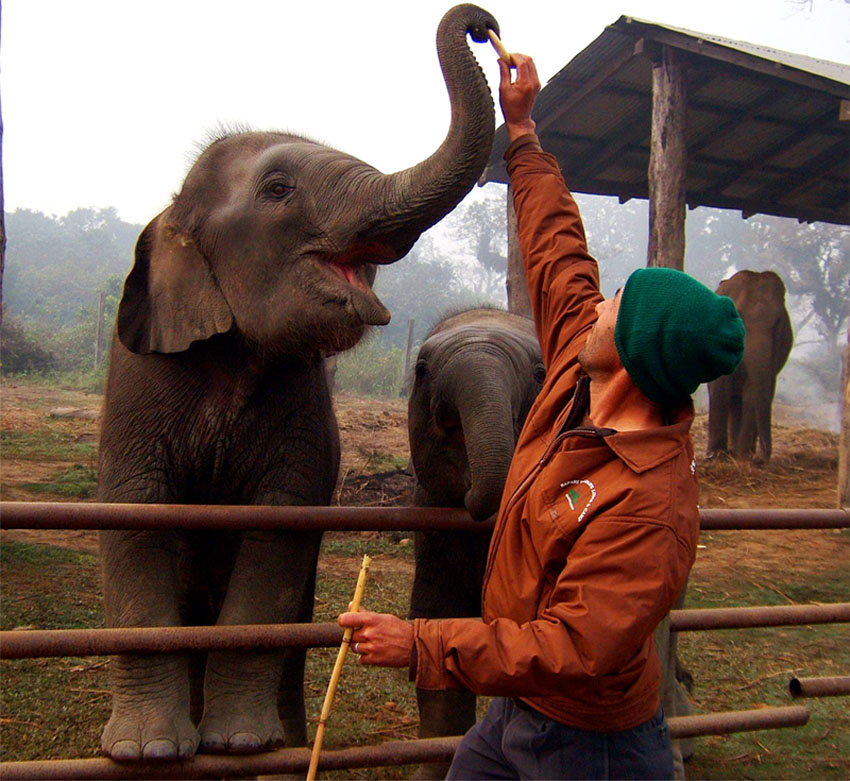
[643, 450]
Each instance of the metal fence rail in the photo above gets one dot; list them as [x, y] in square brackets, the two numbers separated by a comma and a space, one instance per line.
[94, 515]
[835, 686]
[407, 752]
[37, 643]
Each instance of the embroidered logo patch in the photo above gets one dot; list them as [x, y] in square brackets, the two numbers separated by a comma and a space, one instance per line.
[579, 495]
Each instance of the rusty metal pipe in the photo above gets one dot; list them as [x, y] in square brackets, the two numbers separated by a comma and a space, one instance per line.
[30, 644]
[94, 515]
[36, 643]
[737, 721]
[718, 520]
[407, 752]
[744, 617]
[836, 686]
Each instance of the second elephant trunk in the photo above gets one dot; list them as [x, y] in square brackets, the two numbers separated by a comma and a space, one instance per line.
[486, 414]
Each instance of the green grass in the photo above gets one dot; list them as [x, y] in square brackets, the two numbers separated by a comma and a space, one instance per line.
[376, 461]
[44, 445]
[77, 482]
[394, 544]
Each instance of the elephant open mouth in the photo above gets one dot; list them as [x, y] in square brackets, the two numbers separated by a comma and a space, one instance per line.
[355, 295]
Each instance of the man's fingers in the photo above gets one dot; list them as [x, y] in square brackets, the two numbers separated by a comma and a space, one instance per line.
[361, 618]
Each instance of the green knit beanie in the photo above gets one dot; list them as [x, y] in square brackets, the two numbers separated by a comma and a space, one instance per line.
[673, 333]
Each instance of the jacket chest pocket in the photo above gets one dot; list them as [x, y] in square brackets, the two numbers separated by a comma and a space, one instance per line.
[560, 505]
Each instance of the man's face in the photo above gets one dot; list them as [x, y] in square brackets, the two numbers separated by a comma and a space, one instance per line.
[599, 353]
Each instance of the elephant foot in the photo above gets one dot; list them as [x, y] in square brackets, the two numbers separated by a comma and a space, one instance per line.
[236, 730]
[129, 738]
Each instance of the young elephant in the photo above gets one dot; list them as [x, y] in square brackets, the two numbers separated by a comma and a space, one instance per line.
[476, 376]
[216, 394]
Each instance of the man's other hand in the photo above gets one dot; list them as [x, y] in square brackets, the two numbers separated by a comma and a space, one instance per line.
[379, 638]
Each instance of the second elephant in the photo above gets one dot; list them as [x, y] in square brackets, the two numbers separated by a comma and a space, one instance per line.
[740, 403]
[475, 379]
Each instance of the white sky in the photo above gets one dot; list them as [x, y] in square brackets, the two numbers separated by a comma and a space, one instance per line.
[104, 100]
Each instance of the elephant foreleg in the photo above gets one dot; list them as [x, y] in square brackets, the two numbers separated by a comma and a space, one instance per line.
[150, 694]
[449, 574]
[271, 583]
[718, 416]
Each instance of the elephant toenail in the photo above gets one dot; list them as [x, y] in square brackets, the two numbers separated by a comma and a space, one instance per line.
[213, 743]
[160, 749]
[245, 743]
[123, 750]
[187, 749]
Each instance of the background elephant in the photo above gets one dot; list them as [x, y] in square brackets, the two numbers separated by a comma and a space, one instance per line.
[739, 410]
[216, 394]
[476, 375]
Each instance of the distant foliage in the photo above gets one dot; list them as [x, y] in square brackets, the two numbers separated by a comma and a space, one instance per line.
[371, 369]
[21, 351]
[56, 269]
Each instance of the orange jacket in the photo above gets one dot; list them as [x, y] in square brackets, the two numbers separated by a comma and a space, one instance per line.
[597, 529]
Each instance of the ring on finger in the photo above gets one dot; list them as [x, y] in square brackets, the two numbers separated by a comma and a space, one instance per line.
[357, 648]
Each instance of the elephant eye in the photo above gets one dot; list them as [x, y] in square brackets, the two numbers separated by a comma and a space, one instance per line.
[539, 373]
[420, 371]
[277, 190]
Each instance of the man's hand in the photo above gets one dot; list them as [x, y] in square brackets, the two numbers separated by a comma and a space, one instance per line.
[379, 638]
[517, 97]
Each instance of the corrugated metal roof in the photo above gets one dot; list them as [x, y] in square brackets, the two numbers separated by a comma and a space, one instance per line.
[764, 132]
[834, 71]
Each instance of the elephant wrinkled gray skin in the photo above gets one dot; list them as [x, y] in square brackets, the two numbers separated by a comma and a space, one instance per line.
[217, 394]
[739, 412]
[476, 376]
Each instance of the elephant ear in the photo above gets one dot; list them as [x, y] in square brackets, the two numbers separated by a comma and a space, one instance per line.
[171, 298]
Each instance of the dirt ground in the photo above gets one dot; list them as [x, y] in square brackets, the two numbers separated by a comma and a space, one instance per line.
[375, 452]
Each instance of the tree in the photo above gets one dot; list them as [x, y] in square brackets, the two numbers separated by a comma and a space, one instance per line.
[814, 261]
[422, 286]
[478, 232]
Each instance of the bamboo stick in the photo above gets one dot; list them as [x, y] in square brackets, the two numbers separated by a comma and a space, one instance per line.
[504, 54]
[337, 671]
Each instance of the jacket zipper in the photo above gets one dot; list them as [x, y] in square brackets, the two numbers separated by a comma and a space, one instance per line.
[586, 431]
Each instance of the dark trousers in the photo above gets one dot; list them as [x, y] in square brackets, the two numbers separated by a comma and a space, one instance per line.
[513, 742]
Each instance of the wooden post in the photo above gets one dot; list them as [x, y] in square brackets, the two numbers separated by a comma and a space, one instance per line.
[668, 157]
[844, 440]
[98, 339]
[407, 349]
[519, 301]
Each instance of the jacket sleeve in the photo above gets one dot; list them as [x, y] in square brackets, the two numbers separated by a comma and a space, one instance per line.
[604, 606]
[562, 277]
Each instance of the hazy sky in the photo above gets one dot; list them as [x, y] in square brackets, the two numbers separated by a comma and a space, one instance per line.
[104, 101]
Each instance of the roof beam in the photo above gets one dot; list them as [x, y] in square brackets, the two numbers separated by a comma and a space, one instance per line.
[753, 164]
[796, 181]
[586, 89]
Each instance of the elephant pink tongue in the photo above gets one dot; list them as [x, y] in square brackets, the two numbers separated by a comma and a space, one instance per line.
[349, 273]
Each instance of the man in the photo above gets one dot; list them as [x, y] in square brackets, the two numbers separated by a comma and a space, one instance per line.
[598, 524]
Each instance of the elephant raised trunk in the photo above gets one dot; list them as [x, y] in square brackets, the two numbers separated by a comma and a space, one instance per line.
[418, 197]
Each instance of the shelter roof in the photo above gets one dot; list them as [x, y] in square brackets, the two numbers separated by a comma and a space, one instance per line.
[767, 131]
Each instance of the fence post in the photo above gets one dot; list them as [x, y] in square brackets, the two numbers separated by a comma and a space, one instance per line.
[98, 339]
[407, 349]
